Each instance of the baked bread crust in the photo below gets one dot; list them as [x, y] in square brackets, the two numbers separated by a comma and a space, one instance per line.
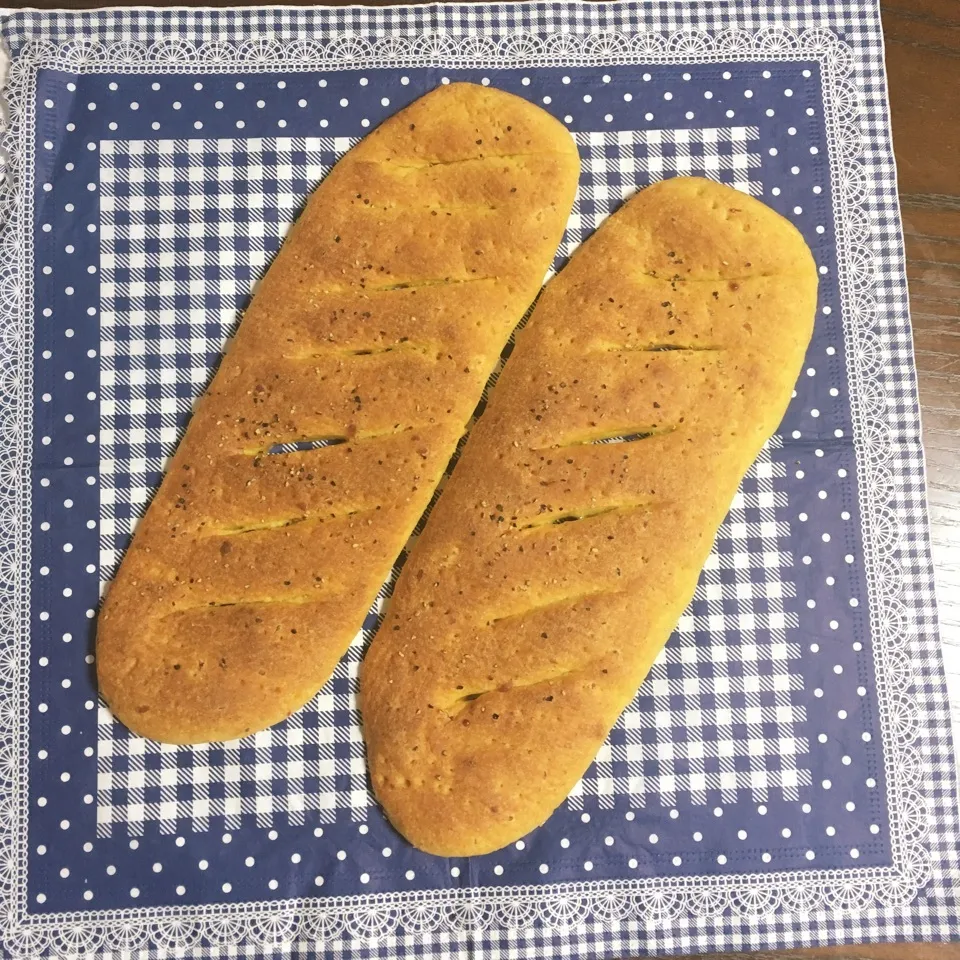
[375, 328]
[514, 638]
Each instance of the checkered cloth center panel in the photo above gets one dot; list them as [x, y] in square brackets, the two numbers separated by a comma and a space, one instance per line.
[186, 228]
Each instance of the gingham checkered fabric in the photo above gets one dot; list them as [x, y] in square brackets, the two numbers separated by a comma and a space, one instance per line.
[186, 226]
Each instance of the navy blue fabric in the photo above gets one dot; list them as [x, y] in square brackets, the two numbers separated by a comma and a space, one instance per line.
[811, 464]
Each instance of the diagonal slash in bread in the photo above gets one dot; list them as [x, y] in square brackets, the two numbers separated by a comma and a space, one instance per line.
[555, 565]
[333, 415]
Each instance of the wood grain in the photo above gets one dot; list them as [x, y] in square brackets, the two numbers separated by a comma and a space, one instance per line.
[923, 65]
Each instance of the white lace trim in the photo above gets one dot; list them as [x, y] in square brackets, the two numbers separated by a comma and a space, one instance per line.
[558, 906]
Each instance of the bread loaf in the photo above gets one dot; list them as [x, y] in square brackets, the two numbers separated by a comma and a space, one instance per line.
[367, 346]
[555, 565]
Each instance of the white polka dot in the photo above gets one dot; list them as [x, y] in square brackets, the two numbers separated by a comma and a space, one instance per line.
[677, 861]
[588, 865]
[785, 833]
[831, 831]
[748, 93]
[776, 191]
[587, 98]
[838, 669]
[866, 738]
[384, 102]
[814, 647]
[874, 828]
[544, 868]
[834, 624]
[846, 761]
[730, 113]
[762, 810]
[742, 834]
[805, 807]
[825, 537]
[565, 843]
[520, 845]
[341, 854]
[454, 872]
[203, 864]
[568, 119]
[344, 102]
[871, 782]
[668, 96]
[273, 884]
[674, 814]
[822, 737]
[364, 877]
[697, 836]
[648, 116]
[861, 691]
[318, 881]
[842, 714]
[295, 857]
[64, 824]
[179, 841]
[41, 898]
[855, 853]
[721, 859]
[653, 838]
[318, 831]
[810, 855]
[585, 817]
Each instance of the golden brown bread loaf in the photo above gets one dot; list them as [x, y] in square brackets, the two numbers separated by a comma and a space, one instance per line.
[554, 567]
[375, 328]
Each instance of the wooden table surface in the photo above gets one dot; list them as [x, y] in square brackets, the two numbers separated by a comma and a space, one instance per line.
[923, 70]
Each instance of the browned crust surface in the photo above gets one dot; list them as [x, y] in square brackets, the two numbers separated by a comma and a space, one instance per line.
[377, 325]
[553, 567]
